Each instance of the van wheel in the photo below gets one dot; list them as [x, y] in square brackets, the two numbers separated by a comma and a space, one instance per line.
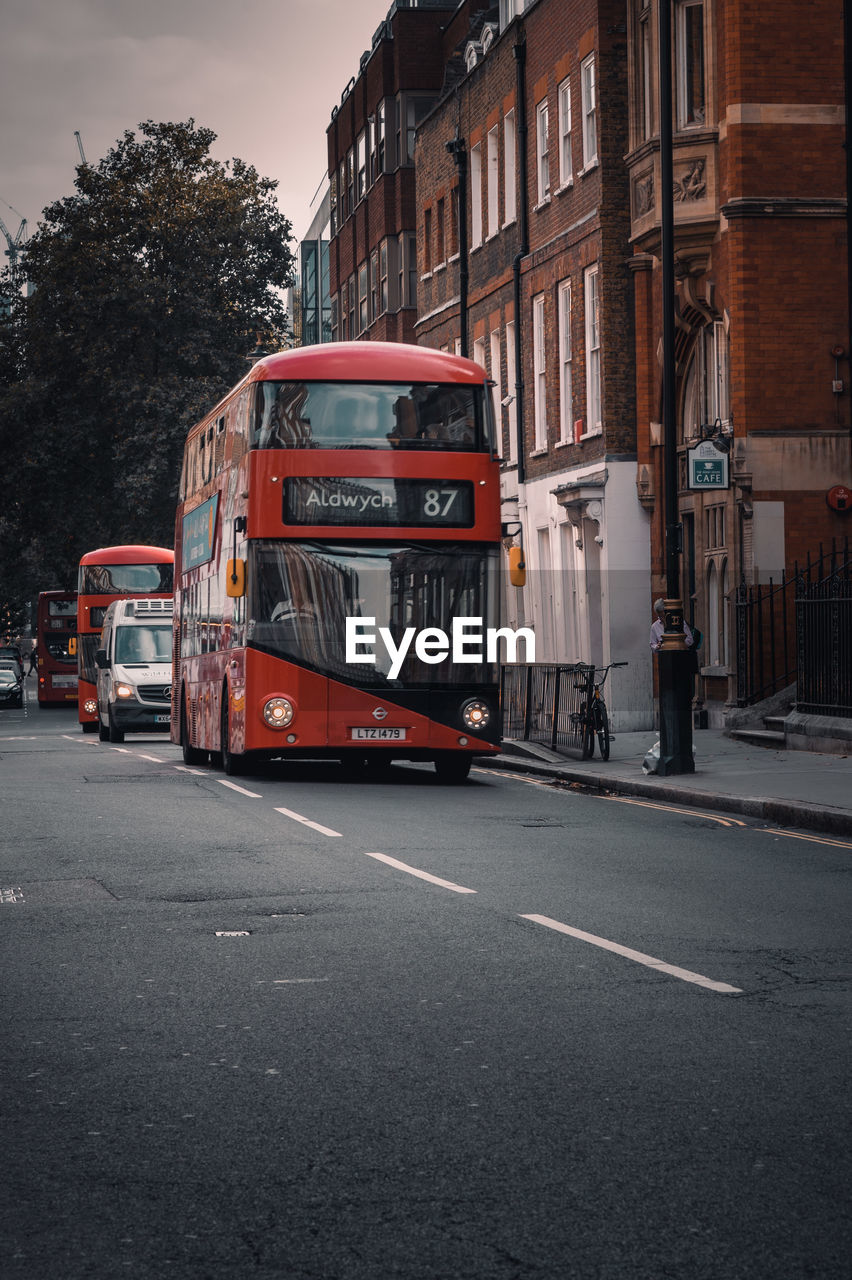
[191, 755]
[233, 762]
[114, 734]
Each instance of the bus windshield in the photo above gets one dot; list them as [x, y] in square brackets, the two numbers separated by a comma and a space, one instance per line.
[125, 579]
[301, 594]
[353, 415]
[143, 644]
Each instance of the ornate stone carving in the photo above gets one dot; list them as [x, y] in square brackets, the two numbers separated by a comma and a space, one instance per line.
[690, 181]
[643, 194]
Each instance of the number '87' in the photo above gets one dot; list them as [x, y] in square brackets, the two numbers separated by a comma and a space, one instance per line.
[437, 502]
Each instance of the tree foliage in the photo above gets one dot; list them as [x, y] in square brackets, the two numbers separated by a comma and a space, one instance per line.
[147, 289]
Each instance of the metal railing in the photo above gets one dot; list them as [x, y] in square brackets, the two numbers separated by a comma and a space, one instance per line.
[767, 643]
[541, 703]
[824, 635]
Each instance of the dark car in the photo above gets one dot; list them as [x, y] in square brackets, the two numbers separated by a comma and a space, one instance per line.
[11, 689]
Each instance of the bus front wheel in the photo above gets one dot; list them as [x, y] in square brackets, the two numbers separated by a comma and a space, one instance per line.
[191, 754]
[453, 768]
[233, 762]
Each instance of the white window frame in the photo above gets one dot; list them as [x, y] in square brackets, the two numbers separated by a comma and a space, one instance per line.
[591, 293]
[542, 150]
[566, 163]
[511, 390]
[479, 352]
[510, 201]
[476, 196]
[589, 102]
[497, 389]
[493, 181]
[566, 355]
[539, 373]
[689, 114]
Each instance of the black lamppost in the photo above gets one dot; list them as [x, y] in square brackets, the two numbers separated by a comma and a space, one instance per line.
[675, 680]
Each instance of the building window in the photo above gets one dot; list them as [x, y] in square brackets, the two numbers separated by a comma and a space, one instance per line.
[714, 532]
[453, 246]
[588, 89]
[593, 351]
[475, 196]
[717, 639]
[361, 161]
[374, 285]
[383, 277]
[479, 351]
[509, 168]
[689, 63]
[352, 300]
[335, 330]
[566, 167]
[362, 298]
[440, 234]
[539, 373]
[705, 397]
[645, 71]
[411, 299]
[427, 242]
[511, 389]
[344, 311]
[494, 342]
[377, 137]
[341, 192]
[493, 182]
[542, 153]
[566, 400]
[350, 179]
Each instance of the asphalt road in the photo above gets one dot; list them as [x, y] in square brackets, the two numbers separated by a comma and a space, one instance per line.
[303, 1025]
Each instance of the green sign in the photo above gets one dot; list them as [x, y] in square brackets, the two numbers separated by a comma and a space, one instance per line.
[707, 466]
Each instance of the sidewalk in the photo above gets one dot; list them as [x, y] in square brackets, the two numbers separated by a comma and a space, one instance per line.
[793, 788]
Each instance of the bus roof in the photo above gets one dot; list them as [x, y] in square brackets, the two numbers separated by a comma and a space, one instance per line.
[365, 362]
[129, 555]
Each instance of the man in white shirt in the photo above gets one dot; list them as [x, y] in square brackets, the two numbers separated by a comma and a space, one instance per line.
[658, 626]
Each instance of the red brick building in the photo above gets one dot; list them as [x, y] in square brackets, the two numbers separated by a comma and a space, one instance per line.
[372, 251]
[523, 246]
[762, 302]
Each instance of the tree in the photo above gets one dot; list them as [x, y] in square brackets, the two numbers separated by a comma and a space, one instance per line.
[149, 286]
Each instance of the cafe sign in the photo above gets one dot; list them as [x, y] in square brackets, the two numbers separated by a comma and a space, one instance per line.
[707, 466]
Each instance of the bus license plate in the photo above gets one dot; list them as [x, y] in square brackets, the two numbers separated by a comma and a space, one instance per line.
[162, 719]
[373, 734]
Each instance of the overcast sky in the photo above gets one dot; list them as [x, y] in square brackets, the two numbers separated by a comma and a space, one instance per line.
[262, 74]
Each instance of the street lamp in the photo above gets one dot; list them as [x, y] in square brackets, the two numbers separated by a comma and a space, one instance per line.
[675, 681]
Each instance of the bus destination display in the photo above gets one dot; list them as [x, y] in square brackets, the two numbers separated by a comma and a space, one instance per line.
[378, 500]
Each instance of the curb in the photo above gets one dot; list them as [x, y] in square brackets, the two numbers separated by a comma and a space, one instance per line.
[791, 813]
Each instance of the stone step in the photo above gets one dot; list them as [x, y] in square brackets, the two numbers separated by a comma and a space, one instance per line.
[761, 737]
[774, 722]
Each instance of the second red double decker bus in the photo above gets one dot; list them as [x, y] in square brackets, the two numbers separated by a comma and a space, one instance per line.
[337, 563]
[56, 627]
[111, 573]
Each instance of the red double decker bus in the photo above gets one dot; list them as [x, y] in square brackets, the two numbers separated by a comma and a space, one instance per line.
[111, 573]
[56, 628]
[337, 563]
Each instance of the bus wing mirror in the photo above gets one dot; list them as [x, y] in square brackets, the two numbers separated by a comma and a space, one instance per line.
[235, 579]
[517, 567]
[101, 659]
[72, 646]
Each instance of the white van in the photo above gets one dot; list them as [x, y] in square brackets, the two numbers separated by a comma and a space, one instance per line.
[135, 668]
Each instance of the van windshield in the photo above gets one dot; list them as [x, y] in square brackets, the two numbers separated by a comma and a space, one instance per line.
[144, 644]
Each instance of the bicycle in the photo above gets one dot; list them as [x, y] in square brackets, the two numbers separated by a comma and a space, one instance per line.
[593, 719]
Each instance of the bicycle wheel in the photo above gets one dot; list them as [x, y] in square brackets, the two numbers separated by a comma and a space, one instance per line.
[589, 738]
[603, 731]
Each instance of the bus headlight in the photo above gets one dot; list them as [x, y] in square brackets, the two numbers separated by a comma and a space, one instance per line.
[278, 712]
[122, 690]
[476, 715]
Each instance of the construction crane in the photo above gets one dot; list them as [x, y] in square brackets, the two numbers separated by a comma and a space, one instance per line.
[16, 242]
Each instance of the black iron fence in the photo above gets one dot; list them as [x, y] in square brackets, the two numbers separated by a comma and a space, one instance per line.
[824, 637]
[767, 635]
[543, 702]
